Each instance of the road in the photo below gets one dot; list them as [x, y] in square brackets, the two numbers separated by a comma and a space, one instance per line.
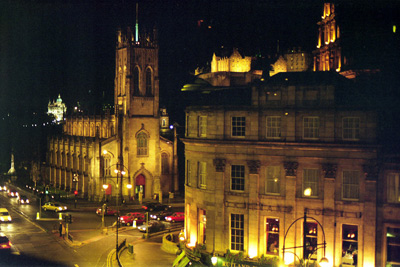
[37, 243]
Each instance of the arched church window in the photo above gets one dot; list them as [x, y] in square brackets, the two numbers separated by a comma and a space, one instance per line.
[136, 81]
[142, 144]
[149, 82]
[164, 163]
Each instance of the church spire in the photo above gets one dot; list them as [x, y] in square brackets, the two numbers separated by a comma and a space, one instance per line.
[137, 23]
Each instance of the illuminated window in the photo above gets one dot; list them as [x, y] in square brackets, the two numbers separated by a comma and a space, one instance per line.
[202, 226]
[237, 232]
[149, 82]
[351, 128]
[393, 246]
[310, 181]
[273, 127]
[272, 233]
[136, 81]
[351, 184]
[164, 163]
[188, 173]
[237, 177]
[141, 144]
[273, 180]
[393, 188]
[311, 239]
[238, 126]
[349, 245]
[202, 174]
[311, 127]
[202, 126]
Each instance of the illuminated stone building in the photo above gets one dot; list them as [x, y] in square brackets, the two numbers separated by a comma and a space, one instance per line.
[297, 143]
[130, 140]
[293, 61]
[357, 37]
[57, 109]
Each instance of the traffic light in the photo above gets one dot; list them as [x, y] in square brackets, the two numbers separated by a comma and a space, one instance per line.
[76, 193]
[47, 190]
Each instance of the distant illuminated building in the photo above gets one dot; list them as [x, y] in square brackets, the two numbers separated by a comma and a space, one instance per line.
[234, 63]
[57, 109]
[355, 38]
[292, 61]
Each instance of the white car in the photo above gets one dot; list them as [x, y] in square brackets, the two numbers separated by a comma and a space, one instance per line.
[5, 215]
[54, 207]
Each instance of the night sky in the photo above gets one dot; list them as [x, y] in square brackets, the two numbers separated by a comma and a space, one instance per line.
[68, 47]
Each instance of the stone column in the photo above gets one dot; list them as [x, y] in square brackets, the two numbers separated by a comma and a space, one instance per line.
[218, 216]
[254, 208]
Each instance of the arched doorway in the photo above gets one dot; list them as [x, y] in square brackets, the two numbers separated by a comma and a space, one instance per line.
[140, 183]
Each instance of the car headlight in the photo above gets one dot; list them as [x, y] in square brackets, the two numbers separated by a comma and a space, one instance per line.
[2, 219]
[27, 201]
[167, 218]
[59, 208]
[9, 218]
[65, 207]
[22, 201]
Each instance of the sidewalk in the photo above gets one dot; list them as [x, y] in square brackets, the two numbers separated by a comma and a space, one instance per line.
[146, 252]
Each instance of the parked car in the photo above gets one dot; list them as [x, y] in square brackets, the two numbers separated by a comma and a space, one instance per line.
[155, 206]
[160, 216]
[176, 217]
[12, 193]
[153, 226]
[5, 215]
[108, 211]
[22, 199]
[128, 218]
[52, 206]
[5, 243]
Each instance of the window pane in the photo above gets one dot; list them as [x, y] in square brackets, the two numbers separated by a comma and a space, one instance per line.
[237, 177]
[351, 128]
[311, 127]
[202, 126]
[393, 245]
[141, 144]
[349, 245]
[350, 184]
[393, 188]
[238, 126]
[237, 232]
[273, 180]
[273, 127]
[202, 174]
[272, 234]
[310, 180]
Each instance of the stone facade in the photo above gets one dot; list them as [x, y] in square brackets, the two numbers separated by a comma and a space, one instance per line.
[253, 170]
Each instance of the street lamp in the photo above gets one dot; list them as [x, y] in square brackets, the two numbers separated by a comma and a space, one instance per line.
[324, 262]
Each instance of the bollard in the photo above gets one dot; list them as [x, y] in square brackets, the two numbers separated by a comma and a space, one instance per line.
[60, 216]
[134, 224]
[37, 216]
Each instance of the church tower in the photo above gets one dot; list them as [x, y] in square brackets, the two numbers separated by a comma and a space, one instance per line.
[327, 56]
[137, 109]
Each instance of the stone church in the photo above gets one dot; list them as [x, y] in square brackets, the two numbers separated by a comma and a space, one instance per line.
[127, 152]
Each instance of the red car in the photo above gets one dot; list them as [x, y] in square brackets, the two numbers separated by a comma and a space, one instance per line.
[108, 211]
[176, 217]
[4, 242]
[128, 218]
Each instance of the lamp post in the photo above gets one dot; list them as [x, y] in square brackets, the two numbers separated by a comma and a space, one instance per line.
[324, 261]
[120, 172]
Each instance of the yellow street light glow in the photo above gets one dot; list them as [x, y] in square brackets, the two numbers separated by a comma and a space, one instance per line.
[105, 186]
[214, 260]
[129, 186]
